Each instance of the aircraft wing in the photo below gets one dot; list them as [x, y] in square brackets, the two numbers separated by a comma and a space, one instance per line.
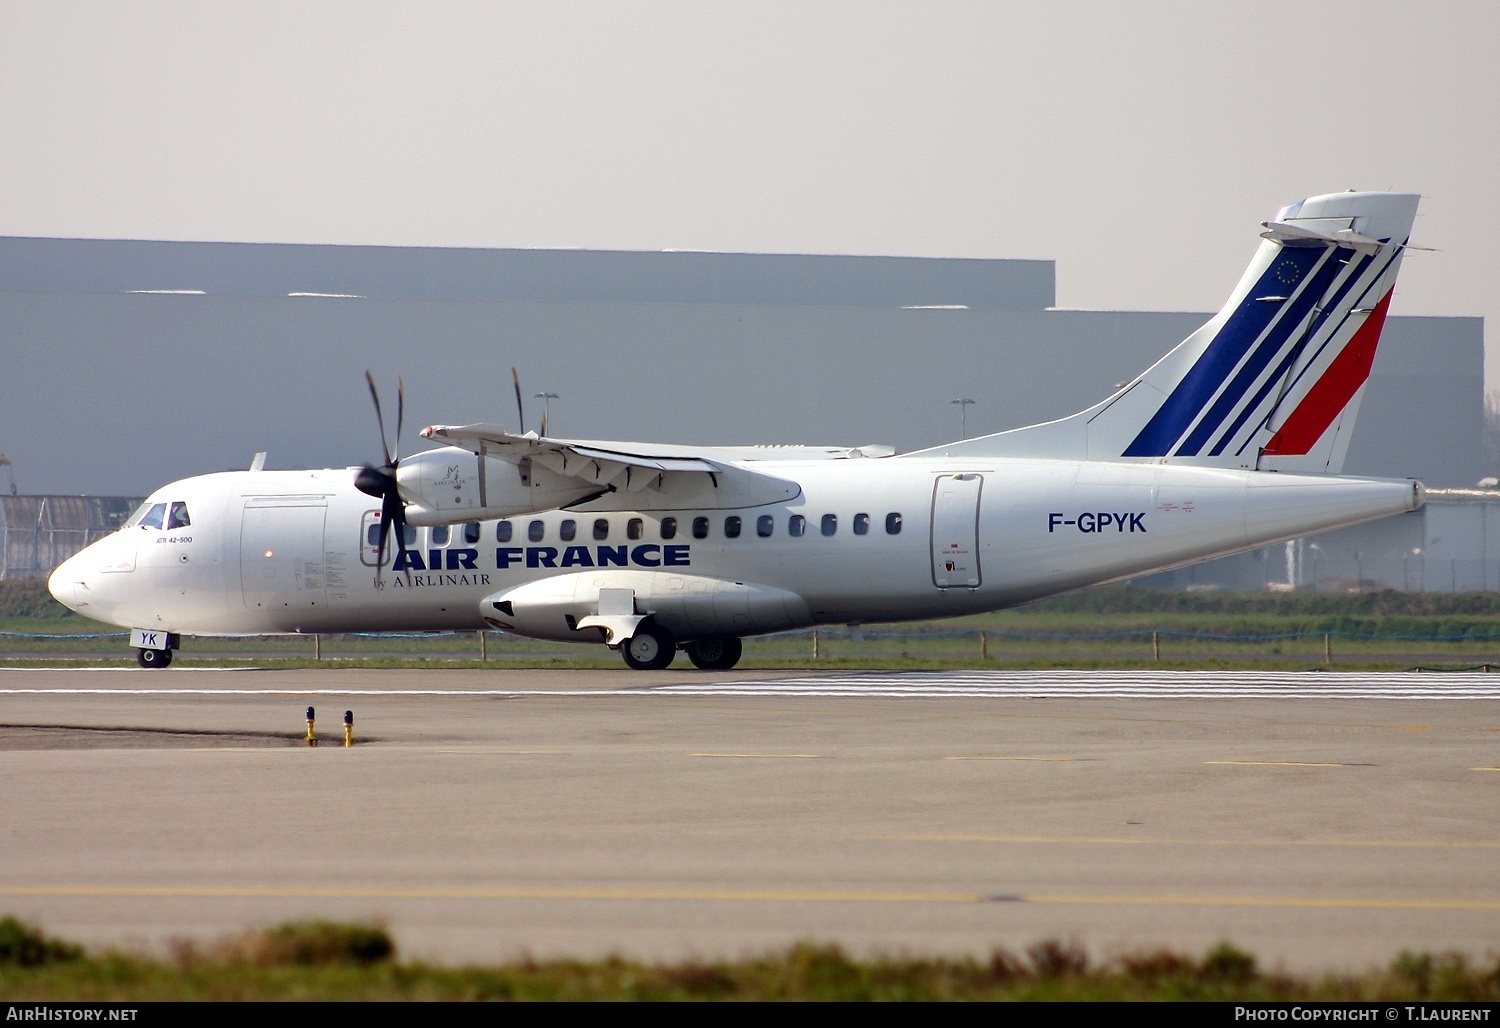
[636, 466]
[631, 466]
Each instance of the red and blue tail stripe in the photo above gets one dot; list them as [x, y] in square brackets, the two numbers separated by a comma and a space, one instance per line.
[1239, 334]
[1335, 304]
[1331, 393]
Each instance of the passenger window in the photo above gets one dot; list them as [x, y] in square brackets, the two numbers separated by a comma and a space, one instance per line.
[408, 536]
[731, 527]
[700, 528]
[601, 528]
[471, 533]
[567, 530]
[154, 515]
[861, 524]
[764, 526]
[372, 535]
[796, 525]
[634, 528]
[440, 535]
[503, 532]
[178, 518]
[893, 524]
[830, 524]
[535, 531]
[669, 528]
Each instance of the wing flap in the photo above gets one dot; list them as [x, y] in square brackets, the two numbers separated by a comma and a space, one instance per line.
[604, 466]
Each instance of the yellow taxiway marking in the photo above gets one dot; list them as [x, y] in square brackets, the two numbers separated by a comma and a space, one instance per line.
[788, 756]
[1061, 759]
[245, 749]
[1484, 769]
[507, 752]
[519, 892]
[1349, 902]
[1110, 840]
[745, 895]
[1286, 763]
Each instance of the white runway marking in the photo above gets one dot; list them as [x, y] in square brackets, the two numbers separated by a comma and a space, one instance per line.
[1133, 684]
[973, 684]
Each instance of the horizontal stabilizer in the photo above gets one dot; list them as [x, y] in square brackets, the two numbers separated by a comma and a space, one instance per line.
[1283, 231]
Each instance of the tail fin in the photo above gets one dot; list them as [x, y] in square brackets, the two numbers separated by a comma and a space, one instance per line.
[1274, 380]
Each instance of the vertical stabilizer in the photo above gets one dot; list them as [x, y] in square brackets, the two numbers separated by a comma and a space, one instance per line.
[1274, 380]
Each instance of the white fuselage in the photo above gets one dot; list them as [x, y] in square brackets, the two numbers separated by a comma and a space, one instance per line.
[910, 538]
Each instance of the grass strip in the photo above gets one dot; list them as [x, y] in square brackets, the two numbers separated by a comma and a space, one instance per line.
[324, 960]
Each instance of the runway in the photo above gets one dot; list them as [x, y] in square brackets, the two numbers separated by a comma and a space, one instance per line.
[1046, 684]
[1320, 820]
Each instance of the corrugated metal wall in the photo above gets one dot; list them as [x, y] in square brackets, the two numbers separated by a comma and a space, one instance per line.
[37, 533]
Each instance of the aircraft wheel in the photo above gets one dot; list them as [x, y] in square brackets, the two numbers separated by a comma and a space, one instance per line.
[153, 658]
[650, 649]
[715, 654]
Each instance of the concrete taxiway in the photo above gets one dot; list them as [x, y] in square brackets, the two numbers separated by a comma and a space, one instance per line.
[1321, 822]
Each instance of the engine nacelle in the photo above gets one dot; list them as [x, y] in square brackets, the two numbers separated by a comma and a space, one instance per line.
[452, 485]
[689, 606]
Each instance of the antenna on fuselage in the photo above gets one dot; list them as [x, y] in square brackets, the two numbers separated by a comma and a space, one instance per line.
[258, 462]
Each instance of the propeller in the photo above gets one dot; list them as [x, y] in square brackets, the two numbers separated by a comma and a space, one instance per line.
[381, 482]
[520, 410]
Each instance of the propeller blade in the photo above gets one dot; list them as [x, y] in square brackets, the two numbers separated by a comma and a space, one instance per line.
[381, 482]
[520, 411]
[379, 417]
[385, 530]
[400, 414]
[393, 515]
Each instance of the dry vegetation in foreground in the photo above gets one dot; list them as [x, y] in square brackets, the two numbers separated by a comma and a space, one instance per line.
[324, 960]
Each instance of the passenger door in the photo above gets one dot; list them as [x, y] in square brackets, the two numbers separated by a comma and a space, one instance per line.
[955, 531]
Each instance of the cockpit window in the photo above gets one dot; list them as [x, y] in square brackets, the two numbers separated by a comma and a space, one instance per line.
[154, 516]
[178, 518]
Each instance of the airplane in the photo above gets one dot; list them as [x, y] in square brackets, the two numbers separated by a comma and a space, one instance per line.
[1233, 440]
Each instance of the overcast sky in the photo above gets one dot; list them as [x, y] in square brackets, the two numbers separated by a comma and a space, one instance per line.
[1137, 144]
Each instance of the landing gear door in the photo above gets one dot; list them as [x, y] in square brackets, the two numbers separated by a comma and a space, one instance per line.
[955, 531]
[282, 564]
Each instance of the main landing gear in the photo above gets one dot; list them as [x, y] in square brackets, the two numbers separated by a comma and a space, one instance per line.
[715, 654]
[652, 649]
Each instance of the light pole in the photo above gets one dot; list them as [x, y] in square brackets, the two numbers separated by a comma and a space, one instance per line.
[963, 416]
[546, 399]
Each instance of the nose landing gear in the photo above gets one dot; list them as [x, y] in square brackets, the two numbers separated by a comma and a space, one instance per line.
[152, 658]
[153, 649]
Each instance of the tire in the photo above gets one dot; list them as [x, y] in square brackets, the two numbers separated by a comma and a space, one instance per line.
[153, 659]
[719, 654]
[650, 649]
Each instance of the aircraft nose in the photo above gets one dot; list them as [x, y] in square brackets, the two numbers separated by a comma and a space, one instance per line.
[63, 583]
